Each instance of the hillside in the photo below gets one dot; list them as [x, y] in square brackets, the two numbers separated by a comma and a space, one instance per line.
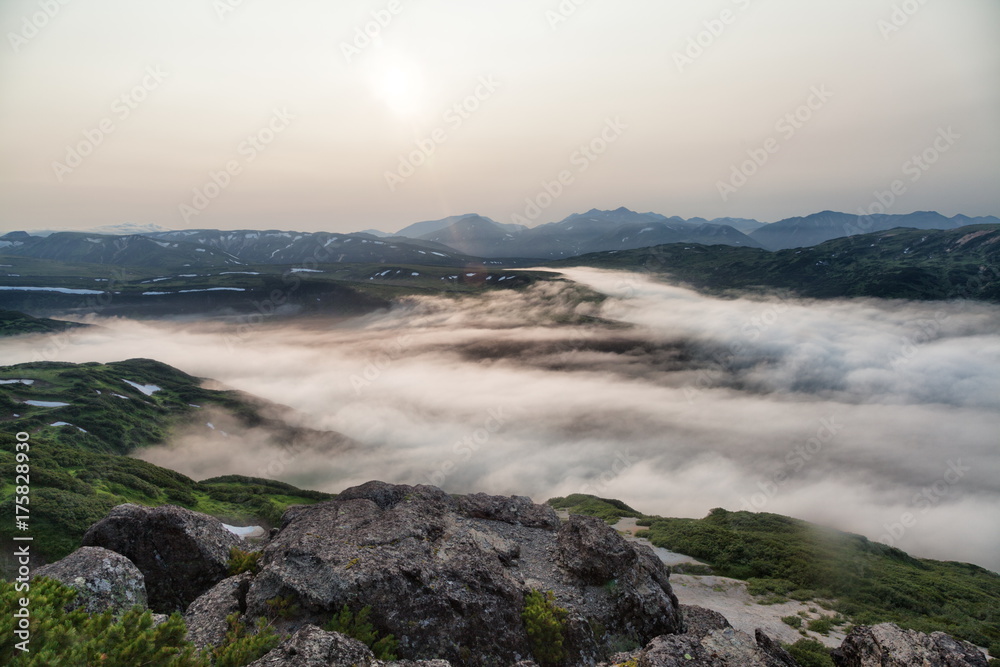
[810, 230]
[866, 581]
[85, 419]
[13, 323]
[900, 263]
[310, 248]
[124, 251]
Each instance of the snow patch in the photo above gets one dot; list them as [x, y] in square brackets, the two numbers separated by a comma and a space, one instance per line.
[147, 389]
[60, 290]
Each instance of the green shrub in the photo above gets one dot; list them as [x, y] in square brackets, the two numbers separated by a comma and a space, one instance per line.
[794, 621]
[181, 497]
[282, 607]
[810, 653]
[77, 639]
[242, 647]
[242, 561]
[545, 623]
[359, 627]
[72, 639]
[821, 625]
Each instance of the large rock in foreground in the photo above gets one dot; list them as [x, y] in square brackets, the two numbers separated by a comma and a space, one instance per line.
[181, 553]
[709, 641]
[104, 580]
[206, 617]
[313, 647]
[887, 645]
[448, 576]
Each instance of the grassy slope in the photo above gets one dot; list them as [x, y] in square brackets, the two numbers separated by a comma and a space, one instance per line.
[77, 477]
[870, 582]
[13, 323]
[900, 263]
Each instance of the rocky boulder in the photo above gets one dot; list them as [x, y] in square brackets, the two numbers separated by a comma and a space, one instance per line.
[887, 645]
[206, 617]
[448, 576]
[313, 647]
[104, 580]
[710, 641]
[181, 553]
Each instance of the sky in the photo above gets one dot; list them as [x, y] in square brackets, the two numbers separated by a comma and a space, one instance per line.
[249, 114]
[871, 416]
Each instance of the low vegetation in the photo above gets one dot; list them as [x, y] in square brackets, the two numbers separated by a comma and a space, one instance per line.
[79, 470]
[605, 508]
[810, 653]
[545, 623]
[865, 581]
[13, 323]
[72, 639]
[358, 626]
[895, 264]
[241, 561]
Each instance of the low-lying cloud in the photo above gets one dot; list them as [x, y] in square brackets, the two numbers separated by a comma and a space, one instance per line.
[877, 417]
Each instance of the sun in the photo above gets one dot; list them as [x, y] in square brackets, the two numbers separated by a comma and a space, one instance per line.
[402, 89]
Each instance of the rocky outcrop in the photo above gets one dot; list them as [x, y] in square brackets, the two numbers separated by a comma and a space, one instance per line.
[710, 641]
[448, 576]
[206, 617]
[104, 580]
[313, 647]
[887, 645]
[180, 553]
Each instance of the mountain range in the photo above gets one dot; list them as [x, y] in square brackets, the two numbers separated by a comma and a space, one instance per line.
[458, 240]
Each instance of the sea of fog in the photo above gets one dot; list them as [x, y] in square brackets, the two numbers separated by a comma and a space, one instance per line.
[881, 418]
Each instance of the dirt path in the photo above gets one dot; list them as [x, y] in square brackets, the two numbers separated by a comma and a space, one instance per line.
[730, 598]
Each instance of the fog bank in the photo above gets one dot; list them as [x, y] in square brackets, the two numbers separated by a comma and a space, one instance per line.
[880, 418]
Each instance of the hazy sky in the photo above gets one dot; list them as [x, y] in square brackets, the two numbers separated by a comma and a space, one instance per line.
[139, 102]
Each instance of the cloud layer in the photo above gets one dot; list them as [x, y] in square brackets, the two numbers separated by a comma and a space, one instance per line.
[880, 418]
